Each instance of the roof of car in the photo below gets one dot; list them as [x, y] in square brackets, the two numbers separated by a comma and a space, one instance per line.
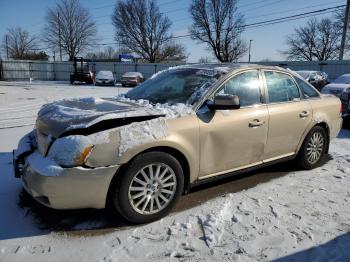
[306, 71]
[227, 66]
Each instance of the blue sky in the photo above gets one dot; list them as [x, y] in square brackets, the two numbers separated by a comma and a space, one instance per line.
[267, 41]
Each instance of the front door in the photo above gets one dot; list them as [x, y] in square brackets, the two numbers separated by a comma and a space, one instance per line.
[231, 139]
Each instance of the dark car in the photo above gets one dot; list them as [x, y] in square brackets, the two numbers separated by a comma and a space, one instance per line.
[132, 79]
[317, 78]
[340, 87]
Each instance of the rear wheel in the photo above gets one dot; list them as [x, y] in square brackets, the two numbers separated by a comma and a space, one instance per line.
[313, 149]
[149, 187]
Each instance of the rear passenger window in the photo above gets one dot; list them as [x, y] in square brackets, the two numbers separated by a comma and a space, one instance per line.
[246, 86]
[281, 87]
[308, 90]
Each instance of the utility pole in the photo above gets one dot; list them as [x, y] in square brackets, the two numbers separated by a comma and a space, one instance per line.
[250, 47]
[7, 46]
[59, 35]
[345, 29]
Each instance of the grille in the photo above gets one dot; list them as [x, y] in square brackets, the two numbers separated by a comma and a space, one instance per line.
[129, 78]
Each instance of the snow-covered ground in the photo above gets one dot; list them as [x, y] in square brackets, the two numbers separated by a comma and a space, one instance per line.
[301, 216]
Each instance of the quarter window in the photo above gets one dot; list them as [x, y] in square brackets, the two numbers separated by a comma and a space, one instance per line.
[246, 86]
[308, 90]
[281, 87]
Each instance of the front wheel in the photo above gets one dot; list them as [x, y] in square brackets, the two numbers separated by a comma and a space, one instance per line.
[313, 149]
[148, 189]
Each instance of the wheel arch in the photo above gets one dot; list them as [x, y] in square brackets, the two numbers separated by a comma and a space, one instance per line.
[322, 124]
[178, 155]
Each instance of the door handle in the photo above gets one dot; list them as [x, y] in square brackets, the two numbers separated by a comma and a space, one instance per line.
[304, 114]
[256, 123]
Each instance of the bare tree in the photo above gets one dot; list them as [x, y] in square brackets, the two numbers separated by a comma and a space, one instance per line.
[108, 53]
[172, 51]
[69, 27]
[218, 24]
[17, 43]
[143, 29]
[317, 40]
[204, 59]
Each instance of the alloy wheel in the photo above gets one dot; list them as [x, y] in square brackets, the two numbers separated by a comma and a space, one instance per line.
[152, 188]
[315, 147]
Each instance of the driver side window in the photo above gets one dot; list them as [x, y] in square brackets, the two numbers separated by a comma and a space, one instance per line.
[246, 86]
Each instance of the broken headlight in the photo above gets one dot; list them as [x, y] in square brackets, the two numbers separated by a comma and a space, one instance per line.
[71, 151]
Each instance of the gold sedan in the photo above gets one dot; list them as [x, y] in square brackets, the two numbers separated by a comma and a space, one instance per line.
[184, 126]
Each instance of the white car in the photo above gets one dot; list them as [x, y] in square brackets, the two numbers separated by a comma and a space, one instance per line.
[104, 78]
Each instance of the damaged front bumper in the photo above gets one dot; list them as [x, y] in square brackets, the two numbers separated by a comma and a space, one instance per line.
[62, 187]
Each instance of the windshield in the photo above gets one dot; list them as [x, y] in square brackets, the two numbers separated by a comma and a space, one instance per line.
[107, 74]
[184, 85]
[344, 79]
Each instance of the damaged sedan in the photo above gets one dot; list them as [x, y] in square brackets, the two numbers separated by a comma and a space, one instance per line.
[184, 126]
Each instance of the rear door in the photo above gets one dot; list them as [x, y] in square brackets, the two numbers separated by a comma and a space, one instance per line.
[289, 116]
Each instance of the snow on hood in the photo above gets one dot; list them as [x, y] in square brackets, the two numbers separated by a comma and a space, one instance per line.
[58, 117]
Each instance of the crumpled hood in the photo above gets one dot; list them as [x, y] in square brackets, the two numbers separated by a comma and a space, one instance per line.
[59, 117]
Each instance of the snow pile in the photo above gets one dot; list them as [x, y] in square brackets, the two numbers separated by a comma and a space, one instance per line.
[141, 133]
[73, 109]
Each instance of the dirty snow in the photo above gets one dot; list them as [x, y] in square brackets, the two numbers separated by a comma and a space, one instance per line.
[300, 216]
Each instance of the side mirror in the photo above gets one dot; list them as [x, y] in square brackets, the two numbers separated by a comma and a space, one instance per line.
[222, 102]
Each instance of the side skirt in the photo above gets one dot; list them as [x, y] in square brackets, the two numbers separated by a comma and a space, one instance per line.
[240, 171]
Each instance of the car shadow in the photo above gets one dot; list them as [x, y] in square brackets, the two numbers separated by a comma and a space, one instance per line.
[36, 219]
[335, 250]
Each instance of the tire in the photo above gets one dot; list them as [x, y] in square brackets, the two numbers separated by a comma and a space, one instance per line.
[314, 147]
[140, 200]
[123, 85]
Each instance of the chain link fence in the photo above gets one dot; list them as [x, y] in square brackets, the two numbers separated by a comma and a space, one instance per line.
[16, 70]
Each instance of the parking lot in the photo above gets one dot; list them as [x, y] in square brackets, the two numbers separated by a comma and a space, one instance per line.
[278, 212]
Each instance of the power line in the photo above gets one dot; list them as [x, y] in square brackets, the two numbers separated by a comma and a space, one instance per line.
[266, 22]
[291, 10]
[292, 16]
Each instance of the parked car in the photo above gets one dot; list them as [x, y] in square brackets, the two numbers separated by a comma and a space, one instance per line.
[317, 78]
[132, 79]
[104, 78]
[341, 88]
[185, 126]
